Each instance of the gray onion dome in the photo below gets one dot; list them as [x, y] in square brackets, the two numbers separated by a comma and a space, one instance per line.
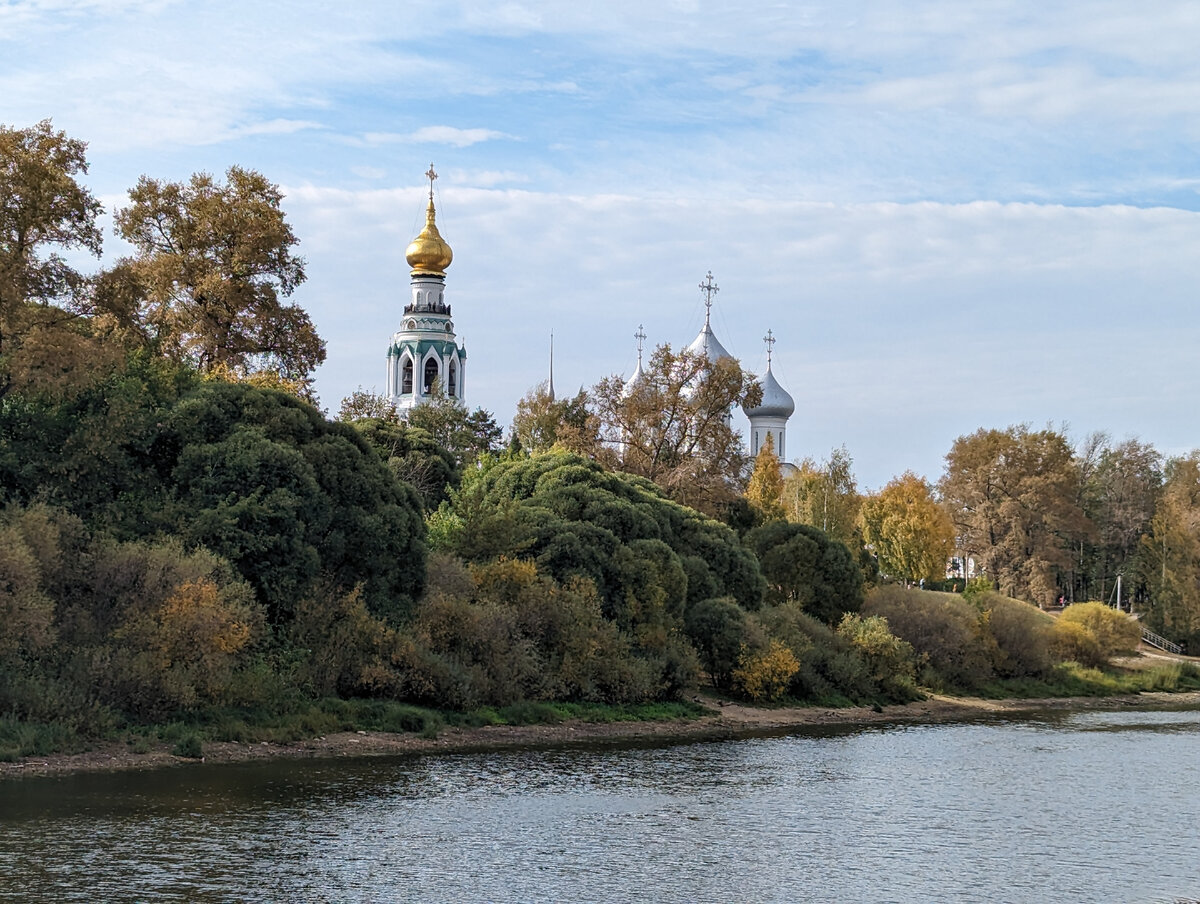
[776, 402]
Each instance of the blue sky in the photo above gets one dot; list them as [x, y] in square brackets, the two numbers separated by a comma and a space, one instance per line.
[952, 215]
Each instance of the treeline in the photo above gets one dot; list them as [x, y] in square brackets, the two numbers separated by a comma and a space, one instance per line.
[182, 530]
[1037, 517]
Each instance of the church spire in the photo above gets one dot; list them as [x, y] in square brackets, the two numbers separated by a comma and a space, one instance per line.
[706, 343]
[551, 365]
[428, 252]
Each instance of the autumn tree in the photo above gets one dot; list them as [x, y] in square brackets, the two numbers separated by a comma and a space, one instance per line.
[674, 426]
[44, 211]
[825, 495]
[1171, 554]
[765, 489]
[362, 404]
[1012, 495]
[543, 421]
[215, 259]
[908, 530]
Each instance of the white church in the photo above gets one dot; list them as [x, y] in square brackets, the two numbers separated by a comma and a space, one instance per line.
[425, 357]
[767, 419]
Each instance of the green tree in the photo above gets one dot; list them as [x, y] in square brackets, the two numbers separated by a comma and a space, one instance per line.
[719, 630]
[1121, 492]
[468, 435]
[765, 489]
[214, 260]
[648, 556]
[910, 533]
[802, 563]
[674, 426]
[44, 210]
[1013, 497]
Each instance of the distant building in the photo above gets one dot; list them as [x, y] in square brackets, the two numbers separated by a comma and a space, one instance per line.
[770, 416]
[424, 357]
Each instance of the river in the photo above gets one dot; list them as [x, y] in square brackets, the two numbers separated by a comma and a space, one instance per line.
[1089, 806]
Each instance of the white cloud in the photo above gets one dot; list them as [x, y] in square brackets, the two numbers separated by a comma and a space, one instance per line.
[449, 135]
[900, 325]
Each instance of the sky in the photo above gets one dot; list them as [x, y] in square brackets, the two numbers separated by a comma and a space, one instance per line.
[951, 215]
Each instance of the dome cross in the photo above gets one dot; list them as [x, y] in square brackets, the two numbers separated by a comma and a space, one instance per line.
[769, 339]
[709, 288]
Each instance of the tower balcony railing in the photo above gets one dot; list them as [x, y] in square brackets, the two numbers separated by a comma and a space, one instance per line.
[427, 307]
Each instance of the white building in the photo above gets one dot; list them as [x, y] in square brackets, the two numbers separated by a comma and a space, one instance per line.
[768, 418]
[425, 357]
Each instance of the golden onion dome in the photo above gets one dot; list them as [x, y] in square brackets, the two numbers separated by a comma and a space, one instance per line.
[428, 252]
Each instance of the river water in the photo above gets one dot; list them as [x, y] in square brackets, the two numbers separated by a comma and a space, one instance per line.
[1086, 806]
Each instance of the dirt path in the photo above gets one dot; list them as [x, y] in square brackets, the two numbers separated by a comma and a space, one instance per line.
[726, 720]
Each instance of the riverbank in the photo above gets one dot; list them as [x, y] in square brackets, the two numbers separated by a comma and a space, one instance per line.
[724, 720]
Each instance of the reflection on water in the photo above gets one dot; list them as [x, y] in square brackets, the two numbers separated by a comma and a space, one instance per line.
[1095, 806]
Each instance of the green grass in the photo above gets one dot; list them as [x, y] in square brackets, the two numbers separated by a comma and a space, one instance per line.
[21, 739]
[1073, 680]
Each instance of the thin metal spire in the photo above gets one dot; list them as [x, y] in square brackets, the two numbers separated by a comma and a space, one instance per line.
[770, 340]
[552, 365]
[640, 336]
[431, 175]
[709, 288]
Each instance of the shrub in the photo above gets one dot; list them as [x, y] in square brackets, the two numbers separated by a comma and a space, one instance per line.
[189, 746]
[831, 669]
[764, 676]
[1022, 635]
[947, 633]
[1113, 631]
[1072, 642]
[889, 659]
[719, 631]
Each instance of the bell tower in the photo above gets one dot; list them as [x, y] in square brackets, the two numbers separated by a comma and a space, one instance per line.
[425, 358]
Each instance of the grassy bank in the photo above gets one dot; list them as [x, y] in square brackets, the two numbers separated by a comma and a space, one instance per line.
[303, 721]
[188, 735]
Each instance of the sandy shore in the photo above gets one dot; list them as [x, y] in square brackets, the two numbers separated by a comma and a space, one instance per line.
[726, 720]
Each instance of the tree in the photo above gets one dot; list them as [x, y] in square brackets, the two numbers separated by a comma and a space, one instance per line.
[1012, 495]
[649, 557]
[468, 435]
[543, 422]
[802, 563]
[1170, 554]
[910, 533]
[674, 426]
[825, 496]
[718, 630]
[214, 260]
[363, 404]
[766, 483]
[413, 456]
[43, 211]
[1120, 496]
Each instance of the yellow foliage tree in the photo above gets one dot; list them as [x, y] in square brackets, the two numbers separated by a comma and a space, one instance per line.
[765, 489]
[825, 495]
[911, 534]
[764, 675]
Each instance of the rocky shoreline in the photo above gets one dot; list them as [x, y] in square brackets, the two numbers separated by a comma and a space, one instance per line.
[726, 720]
